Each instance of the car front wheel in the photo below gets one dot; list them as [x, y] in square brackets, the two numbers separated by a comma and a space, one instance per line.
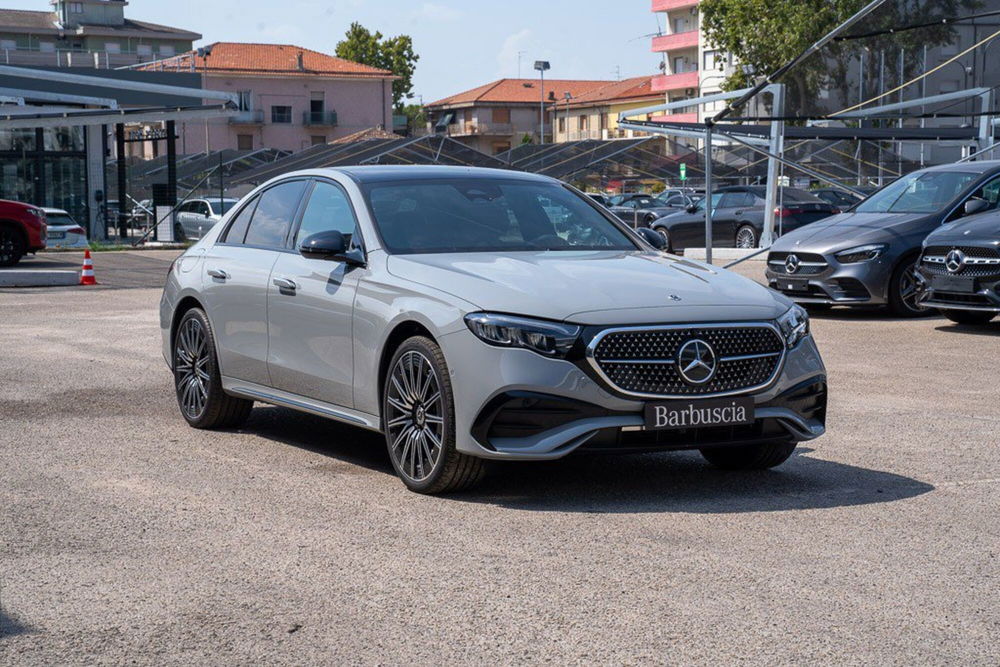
[419, 421]
[746, 237]
[11, 246]
[969, 316]
[749, 457]
[903, 290]
[662, 231]
[197, 379]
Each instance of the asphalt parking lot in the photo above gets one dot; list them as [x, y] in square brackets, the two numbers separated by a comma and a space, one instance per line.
[126, 536]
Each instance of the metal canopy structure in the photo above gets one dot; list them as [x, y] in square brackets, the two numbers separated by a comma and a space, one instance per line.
[431, 149]
[193, 169]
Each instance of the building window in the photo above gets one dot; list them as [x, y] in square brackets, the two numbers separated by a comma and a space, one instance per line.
[8, 44]
[144, 49]
[244, 142]
[281, 114]
[562, 124]
[714, 60]
[112, 47]
[47, 47]
[167, 50]
[581, 123]
[499, 148]
[317, 140]
[604, 121]
[76, 8]
[501, 115]
[246, 100]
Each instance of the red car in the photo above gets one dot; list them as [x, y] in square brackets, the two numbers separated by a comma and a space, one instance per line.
[22, 230]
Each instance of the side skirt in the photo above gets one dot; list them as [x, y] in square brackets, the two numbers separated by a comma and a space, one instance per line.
[256, 392]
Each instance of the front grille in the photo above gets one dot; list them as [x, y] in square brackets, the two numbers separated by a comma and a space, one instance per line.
[644, 361]
[962, 299]
[810, 264]
[981, 262]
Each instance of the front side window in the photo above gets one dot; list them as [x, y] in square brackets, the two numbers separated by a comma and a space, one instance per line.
[273, 217]
[921, 192]
[328, 210]
[488, 215]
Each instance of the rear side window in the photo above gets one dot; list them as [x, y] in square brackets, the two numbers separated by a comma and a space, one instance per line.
[273, 217]
[238, 230]
[731, 200]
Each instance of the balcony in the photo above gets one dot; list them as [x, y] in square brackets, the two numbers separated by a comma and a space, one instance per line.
[247, 118]
[319, 119]
[678, 40]
[71, 58]
[480, 129]
[688, 117]
[671, 5]
[665, 82]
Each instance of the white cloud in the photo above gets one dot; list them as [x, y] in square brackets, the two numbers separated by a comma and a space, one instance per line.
[507, 56]
[433, 11]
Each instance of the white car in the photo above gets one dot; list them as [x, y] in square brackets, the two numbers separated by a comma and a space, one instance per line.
[196, 217]
[64, 231]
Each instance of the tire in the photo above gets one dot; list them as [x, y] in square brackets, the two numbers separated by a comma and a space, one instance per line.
[11, 246]
[903, 290]
[968, 316]
[419, 422]
[746, 237]
[648, 220]
[202, 401]
[662, 231]
[749, 457]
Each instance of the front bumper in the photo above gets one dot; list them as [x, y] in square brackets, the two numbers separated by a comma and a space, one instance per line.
[517, 405]
[821, 279]
[982, 295]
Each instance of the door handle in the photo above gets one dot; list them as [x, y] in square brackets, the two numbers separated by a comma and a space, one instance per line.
[218, 273]
[738, 213]
[285, 283]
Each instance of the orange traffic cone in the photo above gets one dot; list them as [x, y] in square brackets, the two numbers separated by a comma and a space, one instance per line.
[87, 275]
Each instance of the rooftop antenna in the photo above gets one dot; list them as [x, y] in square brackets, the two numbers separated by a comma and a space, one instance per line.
[520, 55]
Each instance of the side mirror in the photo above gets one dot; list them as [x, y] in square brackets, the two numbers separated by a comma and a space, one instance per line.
[975, 205]
[330, 245]
[691, 209]
[652, 237]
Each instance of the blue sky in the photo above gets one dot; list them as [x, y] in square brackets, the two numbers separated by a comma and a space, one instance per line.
[461, 44]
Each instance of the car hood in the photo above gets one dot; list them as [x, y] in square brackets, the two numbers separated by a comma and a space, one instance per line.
[841, 231]
[593, 287]
[975, 228]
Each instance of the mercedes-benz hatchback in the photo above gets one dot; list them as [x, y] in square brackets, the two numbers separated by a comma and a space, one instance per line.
[473, 314]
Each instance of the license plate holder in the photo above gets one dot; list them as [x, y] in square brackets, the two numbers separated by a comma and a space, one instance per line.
[705, 413]
[959, 284]
[56, 235]
[793, 285]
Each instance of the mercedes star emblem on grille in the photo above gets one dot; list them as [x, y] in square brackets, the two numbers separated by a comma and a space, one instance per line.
[696, 362]
[955, 261]
[792, 263]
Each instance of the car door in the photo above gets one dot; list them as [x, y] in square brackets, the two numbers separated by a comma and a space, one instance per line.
[687, 230]
[237, 274]
[310, 306]
[724, 218]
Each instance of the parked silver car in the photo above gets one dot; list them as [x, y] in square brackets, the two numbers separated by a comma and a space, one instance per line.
[446, 308]
[196, 217]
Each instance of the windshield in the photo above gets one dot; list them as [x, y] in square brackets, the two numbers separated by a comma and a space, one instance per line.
[226, 205]
[488, 215]
[920, 192]
[56, 219]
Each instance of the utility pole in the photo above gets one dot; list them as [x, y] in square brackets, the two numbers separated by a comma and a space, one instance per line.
[542, 66]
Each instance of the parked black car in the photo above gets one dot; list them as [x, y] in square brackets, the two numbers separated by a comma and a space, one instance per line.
[738, 217]
[840, 198]
[599, 198]
[959, 270]
[642, 210]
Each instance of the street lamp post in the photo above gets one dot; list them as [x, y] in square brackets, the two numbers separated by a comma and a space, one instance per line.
[568, 97]
[541, 66]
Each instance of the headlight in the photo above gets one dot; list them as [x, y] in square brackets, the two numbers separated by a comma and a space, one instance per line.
[794, 325]
[553, 339]
[863, 253]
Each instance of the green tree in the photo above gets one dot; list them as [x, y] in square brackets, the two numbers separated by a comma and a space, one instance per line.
[416, 116]
[390, 53]
[763, 35]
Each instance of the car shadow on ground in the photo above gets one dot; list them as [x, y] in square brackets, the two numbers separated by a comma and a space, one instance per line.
[10, 626]
[868, 314]
[991, 329]
[659, 482]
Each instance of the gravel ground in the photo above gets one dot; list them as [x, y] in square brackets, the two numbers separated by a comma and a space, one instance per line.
[126, 536]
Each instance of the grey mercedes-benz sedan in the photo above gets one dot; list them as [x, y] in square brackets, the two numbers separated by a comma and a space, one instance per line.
[472, 314]
[868, 255]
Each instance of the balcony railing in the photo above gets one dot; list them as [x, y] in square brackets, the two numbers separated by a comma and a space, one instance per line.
[665, 82]
[480, 129]
[72, 58]
[247, 118]
[320, 118]
[678, 40]
[671, 5]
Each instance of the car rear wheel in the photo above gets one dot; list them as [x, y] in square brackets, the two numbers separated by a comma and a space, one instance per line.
[749, 457]
[662, 231]
[197, 379]
[968, 316]
[746, 237]
[419, 422]
[11, 246]
[903, 290]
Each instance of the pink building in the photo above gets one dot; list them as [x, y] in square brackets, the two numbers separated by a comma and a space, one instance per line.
[290, 97]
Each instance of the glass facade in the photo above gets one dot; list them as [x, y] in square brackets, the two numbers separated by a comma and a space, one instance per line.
[46, 167]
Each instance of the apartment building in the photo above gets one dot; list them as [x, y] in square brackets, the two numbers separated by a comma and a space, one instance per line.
[594, 113]
[86, 33]
[691, 67]
[290, 97]
[498, 115]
